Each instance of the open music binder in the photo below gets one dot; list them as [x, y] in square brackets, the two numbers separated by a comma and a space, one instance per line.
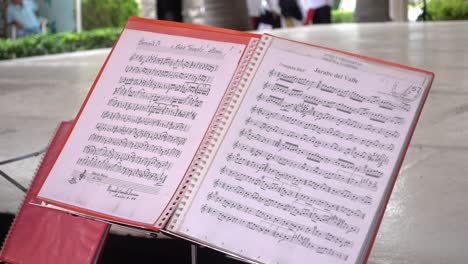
[268, 149]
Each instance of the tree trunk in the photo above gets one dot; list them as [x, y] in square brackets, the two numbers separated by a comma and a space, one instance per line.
[371, 11]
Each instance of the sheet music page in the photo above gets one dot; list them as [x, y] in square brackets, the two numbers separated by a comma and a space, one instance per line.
[303, 167]
[142, 124]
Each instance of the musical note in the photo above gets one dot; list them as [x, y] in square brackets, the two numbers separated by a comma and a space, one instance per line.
[267, 168]
[170, 74]
[321, 86]
[147, 121]
[297, 195]
[157, 179]
[141, 133]
[318, 115]
[74, 179]
[378, 158]
[316, 101]
[291, 225]
[99, 178]
[281, 237]
[190, 100]
[153, 108]
[332, 132]
[315, 157]
[173, 63]
[136, 145]
[296, 181]
[131, 157]
[195, 88]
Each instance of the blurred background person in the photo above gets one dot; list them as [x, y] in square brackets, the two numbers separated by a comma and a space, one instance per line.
[318, 12]
[292, 12]
[264, 14]
[169, 10]
[23, 15]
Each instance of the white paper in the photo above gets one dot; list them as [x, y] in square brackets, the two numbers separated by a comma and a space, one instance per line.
[142, 124]
[302, 170]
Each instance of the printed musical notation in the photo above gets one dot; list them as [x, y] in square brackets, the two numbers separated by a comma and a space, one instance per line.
[305, 157]
[319, 130]
[147, 121]
[173, 63]
[189, 100]
[273, 184]
[132, 157]
[298, 227]
[153, 104]
[321, 86]
[376, 157]
[314, 100]
[318, 115]
[186, 87]
[280, 159]
[130, 139]
[99, 178]
[297, 209]
[297, 195]
[278, 233]
[157, 179]
[177, 75]
[153, 108]
[136, 145]
[141, 133]
[267, 168]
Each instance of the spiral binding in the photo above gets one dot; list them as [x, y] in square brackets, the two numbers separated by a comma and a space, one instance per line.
[231, 100]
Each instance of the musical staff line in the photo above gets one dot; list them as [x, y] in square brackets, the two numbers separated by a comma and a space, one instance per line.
[364, 183]
[291, 225]
[310, 99]
[378, 158]
[132, 157]
[158, 179]
[177, 75]
[153, 108]
[322, 116]
[295, 238]
[173, 63]
[319, 130]
[265, 185]
[141, 133]
[187, 87]
[315, 157]
[94, 177]
[321, 86]
[147, 121]
[189, 100]
[136, 145]
[296, 195]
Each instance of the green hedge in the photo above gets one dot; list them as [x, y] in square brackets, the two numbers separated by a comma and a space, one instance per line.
[339, 16]
[107, 13]
[57, 43]
[447, 9]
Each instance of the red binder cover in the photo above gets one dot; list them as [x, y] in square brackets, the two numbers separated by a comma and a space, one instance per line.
[41, 235]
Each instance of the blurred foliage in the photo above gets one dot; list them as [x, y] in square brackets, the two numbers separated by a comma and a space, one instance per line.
[447, 9]
[339, 16]
[107, 13]
[336, 4]
[34, 45]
